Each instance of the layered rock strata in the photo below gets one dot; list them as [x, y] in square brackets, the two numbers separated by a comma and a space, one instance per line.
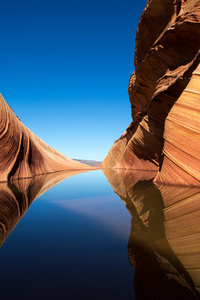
[23, 154]
[164, 95]
[164, 242]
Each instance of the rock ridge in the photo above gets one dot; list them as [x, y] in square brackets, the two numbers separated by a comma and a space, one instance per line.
[164, 94]
[23, 154]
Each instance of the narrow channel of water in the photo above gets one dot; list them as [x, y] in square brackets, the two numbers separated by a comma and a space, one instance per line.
[90, 236]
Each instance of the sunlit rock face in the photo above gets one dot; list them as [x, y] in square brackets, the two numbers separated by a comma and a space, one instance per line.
[23, 154]
[164, 94]
[16, 197]
[164, 242]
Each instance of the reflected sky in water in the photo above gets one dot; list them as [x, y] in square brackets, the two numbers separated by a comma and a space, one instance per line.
[70, 244]
[96, 236]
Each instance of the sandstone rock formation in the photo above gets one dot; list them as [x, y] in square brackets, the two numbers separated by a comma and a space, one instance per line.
[16, 197]
[23, 154]
[164, 243]
[92, 163]
[164, 95]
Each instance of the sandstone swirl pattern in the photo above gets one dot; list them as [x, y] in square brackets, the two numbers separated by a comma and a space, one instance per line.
[23, 154]
[164, 95]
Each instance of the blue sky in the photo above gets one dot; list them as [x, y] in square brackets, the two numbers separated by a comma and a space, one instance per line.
[65, 67]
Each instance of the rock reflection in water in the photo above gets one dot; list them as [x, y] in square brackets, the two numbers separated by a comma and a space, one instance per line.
[164, 242]
[16, 197]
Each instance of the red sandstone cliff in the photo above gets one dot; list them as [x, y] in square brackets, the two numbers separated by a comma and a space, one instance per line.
[164, 94]
[23, 154]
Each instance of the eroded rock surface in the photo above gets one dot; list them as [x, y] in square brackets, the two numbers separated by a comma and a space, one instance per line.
[164, 95]
[23, 154]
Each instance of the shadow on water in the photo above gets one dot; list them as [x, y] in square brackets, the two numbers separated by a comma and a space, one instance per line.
[164, 242]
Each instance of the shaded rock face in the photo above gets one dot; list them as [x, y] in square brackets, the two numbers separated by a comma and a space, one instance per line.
[23, 154]
[164, 95]
[164, 241]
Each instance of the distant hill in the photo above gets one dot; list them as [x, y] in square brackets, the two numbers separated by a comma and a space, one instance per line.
[92, 163]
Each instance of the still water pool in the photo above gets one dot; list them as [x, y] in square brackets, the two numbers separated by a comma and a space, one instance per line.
[94, 235]
[70, 244]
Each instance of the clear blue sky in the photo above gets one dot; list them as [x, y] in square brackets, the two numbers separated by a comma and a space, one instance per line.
[65, 67]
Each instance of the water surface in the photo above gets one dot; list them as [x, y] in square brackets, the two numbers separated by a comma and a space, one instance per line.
[70, 244]
[90, 236]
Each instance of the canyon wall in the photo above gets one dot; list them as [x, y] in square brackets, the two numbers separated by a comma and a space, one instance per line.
[164, 94]
[23, 154]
